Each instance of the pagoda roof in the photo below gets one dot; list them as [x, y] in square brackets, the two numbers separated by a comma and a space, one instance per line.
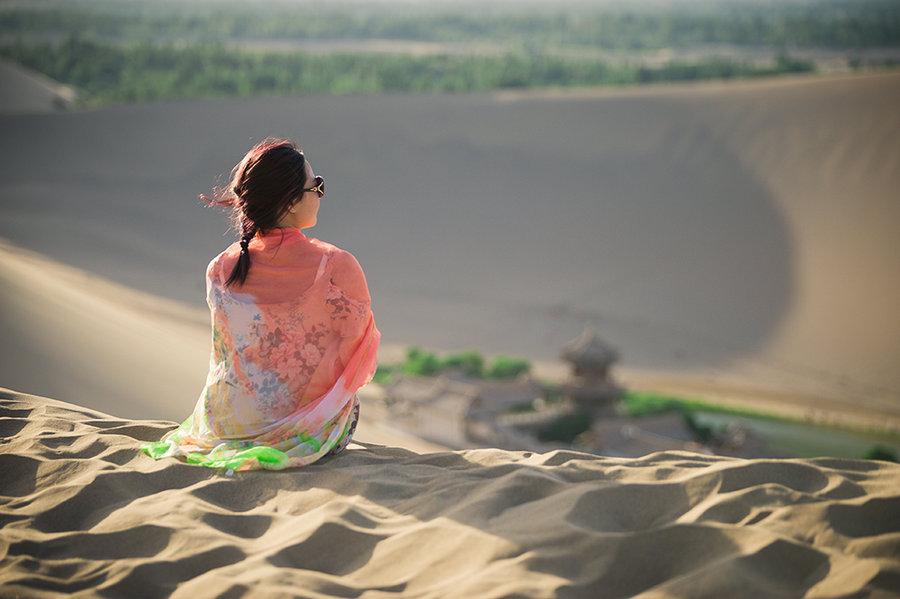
[588, 348]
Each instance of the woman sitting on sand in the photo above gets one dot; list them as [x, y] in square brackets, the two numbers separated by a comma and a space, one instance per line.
[293, 334]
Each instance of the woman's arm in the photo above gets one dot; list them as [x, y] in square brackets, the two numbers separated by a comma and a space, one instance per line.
[352, 305]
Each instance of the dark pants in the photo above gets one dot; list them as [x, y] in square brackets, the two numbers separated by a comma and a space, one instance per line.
[345, 440]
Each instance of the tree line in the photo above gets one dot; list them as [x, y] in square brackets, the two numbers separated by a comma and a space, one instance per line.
[111, 74]
[822, 23]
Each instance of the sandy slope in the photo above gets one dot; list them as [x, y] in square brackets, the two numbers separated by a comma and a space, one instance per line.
[87, 340]
[91, 341]
[97, 343]
[23, 90]
[743, 231]
[81, 510]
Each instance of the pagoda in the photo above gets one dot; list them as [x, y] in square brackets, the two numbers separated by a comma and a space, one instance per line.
[589, 385]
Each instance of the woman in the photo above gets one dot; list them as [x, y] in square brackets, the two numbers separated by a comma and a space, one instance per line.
[293, 334]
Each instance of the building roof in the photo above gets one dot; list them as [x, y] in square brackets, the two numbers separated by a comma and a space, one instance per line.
[589, 349]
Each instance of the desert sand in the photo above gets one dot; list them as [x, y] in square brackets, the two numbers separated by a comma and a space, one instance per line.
[25, 91]
[734, 240]
[103, 345]
[83, 512]
[740, 234]
[84, 339]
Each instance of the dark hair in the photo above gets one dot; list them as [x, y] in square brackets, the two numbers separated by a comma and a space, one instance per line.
[263, 186]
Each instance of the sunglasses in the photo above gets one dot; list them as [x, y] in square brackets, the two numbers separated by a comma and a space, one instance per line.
[319, 188]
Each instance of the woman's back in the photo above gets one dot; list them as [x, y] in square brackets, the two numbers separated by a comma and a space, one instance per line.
[282, 338]
[290, 348]
[293, 333]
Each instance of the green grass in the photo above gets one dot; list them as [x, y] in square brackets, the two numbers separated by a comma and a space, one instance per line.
[639, 403]
[420, 362]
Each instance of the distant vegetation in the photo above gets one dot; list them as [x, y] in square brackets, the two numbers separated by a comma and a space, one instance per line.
[702, 432]
[424, 363]
[108, 74]
[565, 428]
[642, 403]
[117, 52]
[635, 25]
[881, 452]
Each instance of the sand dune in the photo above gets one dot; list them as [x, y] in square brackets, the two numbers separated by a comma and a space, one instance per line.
[87, 340]
[82, 511]
[96, 343]
[742, 230]
[23, 90]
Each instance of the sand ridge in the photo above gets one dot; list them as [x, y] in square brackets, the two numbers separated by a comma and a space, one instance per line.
[82, 511]
[685, 88]
[26, 91]
[93, 342]
[745, 227]
[104, 345]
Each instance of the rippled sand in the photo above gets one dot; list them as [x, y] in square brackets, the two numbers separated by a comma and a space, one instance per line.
[83, 511]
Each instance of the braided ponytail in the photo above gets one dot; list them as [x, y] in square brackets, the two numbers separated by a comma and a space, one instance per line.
[263, 187]
[242, 267]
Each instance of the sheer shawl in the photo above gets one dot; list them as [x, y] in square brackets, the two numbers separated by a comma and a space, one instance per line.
[290, 348]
